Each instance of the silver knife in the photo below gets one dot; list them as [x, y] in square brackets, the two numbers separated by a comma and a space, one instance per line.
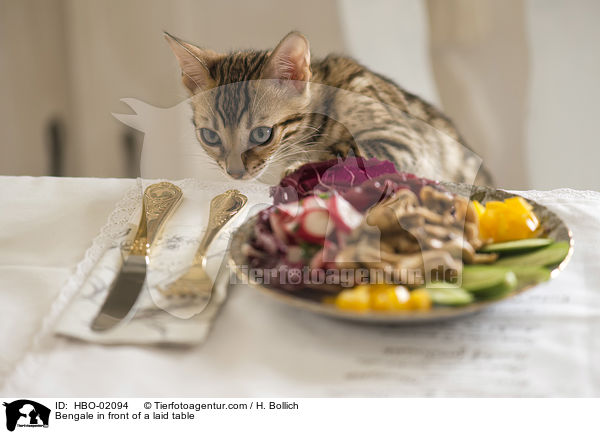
[159, 202]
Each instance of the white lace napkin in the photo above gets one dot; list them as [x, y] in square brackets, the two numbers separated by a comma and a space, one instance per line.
[155, 318]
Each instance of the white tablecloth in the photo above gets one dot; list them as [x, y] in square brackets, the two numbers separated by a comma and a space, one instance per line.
[545, 342]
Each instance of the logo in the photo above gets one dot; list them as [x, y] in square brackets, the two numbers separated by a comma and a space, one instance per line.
[26, 413]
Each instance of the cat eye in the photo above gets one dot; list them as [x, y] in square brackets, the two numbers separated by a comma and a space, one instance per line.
[261, 135]
[210, 137]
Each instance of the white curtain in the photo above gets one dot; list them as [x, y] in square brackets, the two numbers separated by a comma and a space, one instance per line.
[479, 55]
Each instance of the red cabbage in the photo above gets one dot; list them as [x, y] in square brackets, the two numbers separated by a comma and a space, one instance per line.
[327, 175]
[361, 182]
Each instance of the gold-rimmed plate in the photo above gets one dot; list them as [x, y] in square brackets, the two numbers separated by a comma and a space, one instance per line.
[552, 225]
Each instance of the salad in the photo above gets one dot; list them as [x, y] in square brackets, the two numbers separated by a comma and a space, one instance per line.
[360, 235]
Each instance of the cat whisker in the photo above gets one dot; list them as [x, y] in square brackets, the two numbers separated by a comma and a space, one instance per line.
[305, 153]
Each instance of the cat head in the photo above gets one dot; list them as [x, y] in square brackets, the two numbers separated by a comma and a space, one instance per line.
[246, 104]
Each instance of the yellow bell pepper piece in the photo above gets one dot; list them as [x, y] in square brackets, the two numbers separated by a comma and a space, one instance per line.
[479, 208]
[390, 297]
[518, 203]
[357, 299]
[510, 220]
[382, 298]
[420, 299]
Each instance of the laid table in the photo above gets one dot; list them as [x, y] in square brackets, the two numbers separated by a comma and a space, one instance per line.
[545, 342]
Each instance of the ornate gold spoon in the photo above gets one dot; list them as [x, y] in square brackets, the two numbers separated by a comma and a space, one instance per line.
[196, 282]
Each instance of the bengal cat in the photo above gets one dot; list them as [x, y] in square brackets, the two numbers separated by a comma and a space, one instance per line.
[258, 113]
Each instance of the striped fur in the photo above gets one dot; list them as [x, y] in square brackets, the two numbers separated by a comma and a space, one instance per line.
[318, 110]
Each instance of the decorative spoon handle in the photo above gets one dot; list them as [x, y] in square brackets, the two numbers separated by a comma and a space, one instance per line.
[222, 209]
[159, 202]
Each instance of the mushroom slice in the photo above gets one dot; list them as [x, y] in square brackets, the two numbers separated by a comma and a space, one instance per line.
[484, 258]
[436, 200]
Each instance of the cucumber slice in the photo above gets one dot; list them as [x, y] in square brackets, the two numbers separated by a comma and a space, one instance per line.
[486, 282]
[528, 275]
[516, 246]
[545, 257]
[441, 293]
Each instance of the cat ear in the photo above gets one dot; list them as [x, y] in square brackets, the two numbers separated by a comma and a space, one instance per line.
[290, 60]
[194, 63]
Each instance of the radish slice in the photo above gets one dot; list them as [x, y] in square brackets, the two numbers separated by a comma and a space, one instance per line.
[314, 226]
[288, 211]
[314, 218]
[313, 202]
[345, 216]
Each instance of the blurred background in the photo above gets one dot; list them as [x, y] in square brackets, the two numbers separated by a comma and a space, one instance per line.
[519, 77]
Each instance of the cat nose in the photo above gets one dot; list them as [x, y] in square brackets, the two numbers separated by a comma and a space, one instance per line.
[236, 173]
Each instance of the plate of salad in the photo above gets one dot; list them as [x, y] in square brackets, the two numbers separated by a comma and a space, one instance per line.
[356, 239]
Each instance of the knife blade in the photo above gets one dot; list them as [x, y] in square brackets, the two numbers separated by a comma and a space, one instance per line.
[123, 294]
[159, 202]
